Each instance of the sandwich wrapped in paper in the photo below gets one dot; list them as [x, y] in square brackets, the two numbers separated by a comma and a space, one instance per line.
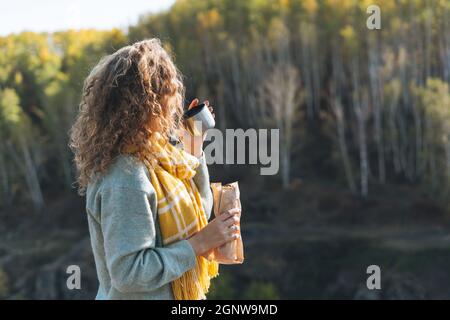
[227, 197]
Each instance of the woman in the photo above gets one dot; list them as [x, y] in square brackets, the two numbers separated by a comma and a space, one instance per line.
[146, 182]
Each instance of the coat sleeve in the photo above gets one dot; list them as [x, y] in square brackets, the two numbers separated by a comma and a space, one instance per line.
[133, 261]
[201, 180]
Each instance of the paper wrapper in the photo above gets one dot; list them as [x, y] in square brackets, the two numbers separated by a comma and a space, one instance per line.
[227, 197]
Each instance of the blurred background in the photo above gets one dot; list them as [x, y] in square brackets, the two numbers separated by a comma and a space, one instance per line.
[364, 119]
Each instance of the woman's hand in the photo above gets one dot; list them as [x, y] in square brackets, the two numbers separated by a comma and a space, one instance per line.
[194, 144]
[220, 230]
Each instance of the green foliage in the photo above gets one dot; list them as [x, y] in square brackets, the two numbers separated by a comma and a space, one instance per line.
[434, 100]
[10, 110]
[258, 290]
[222, 287]
[41, 76]
[228, 49]
[4, 287]
[225, 287]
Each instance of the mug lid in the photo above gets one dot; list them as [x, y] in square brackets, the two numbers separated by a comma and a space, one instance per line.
[193, 111]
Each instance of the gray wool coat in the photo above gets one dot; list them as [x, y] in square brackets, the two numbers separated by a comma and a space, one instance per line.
[130, 259]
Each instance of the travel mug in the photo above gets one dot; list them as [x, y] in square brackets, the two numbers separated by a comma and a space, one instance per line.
[198, 119]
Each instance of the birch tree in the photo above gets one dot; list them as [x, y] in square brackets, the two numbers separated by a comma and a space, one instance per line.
[14, 126]
[282, 95]
[376, 97]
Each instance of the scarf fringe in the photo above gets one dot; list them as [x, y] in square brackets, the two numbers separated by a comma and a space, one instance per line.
[194, 284]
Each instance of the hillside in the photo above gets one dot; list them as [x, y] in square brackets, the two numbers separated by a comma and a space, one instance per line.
[314, 245]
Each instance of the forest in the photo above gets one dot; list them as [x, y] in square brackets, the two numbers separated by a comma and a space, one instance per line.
[364, 120]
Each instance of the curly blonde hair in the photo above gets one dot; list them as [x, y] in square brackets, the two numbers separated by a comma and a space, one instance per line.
[127, 96]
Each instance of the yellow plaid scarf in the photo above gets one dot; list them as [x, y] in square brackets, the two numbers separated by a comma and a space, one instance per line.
[180, 212]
